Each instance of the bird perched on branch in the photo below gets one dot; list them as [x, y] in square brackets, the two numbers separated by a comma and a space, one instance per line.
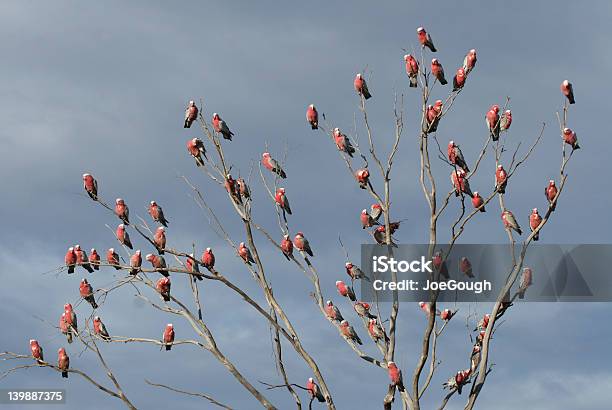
[81, 258]
[286, 247]
[510, 221]
[333, 312]
[37, 351]
[192, 266]
[135, 262]
[526, 281]
[376, 331]
[123, 237]
[70, 259]
[122, 210]
[425, 39]
[302, 244]
[100, 329]
[86, 292]
[312, 116]
[63, 362]
[478, 202]
[272, 165]
[91, 186]
[568, 90]
[343, 143]
[354, 272]
[159, 263]
[361, 86]
[208, 259]
[534, 221]
[366, 220]
[94, 259]
[345, 291]
[455, 156]
[163, 288]
[460, 182]
[363, 177]
[281, 199]
[157, 213]
[570, 138]
[469, 62]
[492, 121]
[314, 391]
[446, 314]
[459, 79]
[221, 127]
[505, 121]
[551, 192]
[196, 149]
[363, 310]
[191, 114]
[159, 239]
[438, 71]
[412, 69]
[349, 333]
[245, 253]
[465, 266]
[395, 375]
[112, 258]
[168, 337]
[376, 211]
[501, 179]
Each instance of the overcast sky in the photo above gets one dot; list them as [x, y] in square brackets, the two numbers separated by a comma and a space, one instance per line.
[102, 89]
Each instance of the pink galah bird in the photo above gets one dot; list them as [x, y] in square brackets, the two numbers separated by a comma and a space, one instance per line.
[221, 127]
[354, 272]
[501, 179]
[193, 267]
[86, 292]
[425, 39]
[231, 187]
[568, 90]
[446, 314]
[457, 381]
[459, 79]
[349, 333]
[534, 221]
[100, 329]
[432, 117]
[510, 221]
[163, 288]
[475, 357]
[332, 312]
[281, 200]
[136, 262]
[376, 331]
[551, 193]
[345, 291]
[343, 143]
[159, 239]
[91, 186]
[363, 310]
[505, 121]
[37, 351]
[363, 177]
[123, 237]
[570, 138]
[112, 258]
[312, 116]
[484, 322]
[191, 114]
[286, 247]
[314, 390]
[245, 254]
[438, 71]
[395, 375]
[361, 86]
[94, 259]
[455, 156]
[366, 220]
[157, 213]
[460, 182]
[465, 266]
[168, 337]
[425, 307]
[492, 121]
[196, 149]
[272, 165]
[380, 235]
[469, 62]
[208, 259]
[526, 281]
[63, 362]
[478, 202]
[301, 244]
[243, 188]
[376, 211]
[159, 263]
[70, 259]
[81, 258]
[122, 210]
[412, 69]
[65, 328]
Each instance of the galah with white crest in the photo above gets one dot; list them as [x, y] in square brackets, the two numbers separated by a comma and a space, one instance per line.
[91, 186]
[361, 86]
[157, 213]
[272, 165]
[425, 39]
[86, 292]
[221, 127]
[123, 237]
[168, 336]
[349, 333]
[312, 116]
[191, 114]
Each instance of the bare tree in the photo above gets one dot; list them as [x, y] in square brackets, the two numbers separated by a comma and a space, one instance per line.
[372, 170]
